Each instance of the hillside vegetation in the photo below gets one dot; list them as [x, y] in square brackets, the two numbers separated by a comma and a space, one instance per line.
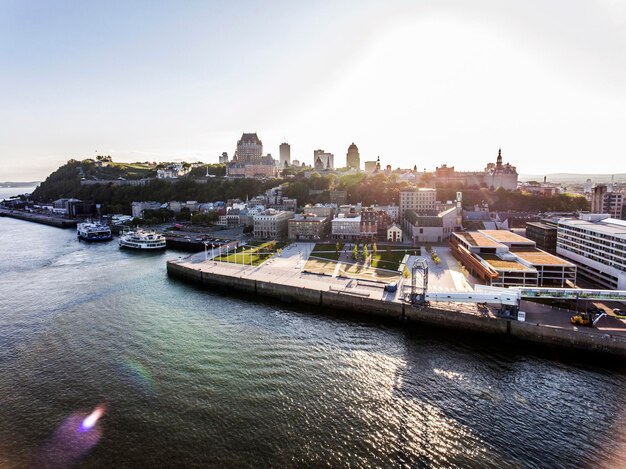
[367, 189]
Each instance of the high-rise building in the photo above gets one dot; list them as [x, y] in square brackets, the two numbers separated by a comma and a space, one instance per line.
[370, 166]
[353, 159]
[249, 160]
[323, 160]
[285, 155]
[224, 158]
[249, 149]
[596, 243]
[603, 201]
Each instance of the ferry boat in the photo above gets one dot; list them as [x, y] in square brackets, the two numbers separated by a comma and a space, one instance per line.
[140, 239]
[90, 231]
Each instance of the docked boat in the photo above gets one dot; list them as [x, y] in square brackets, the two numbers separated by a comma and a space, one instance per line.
[90, 231]
[140, 239]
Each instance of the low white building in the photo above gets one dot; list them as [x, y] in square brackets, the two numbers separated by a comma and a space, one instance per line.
[272, 224]
[394, 234]
[137, 208]
[430, 227]
[346, 227]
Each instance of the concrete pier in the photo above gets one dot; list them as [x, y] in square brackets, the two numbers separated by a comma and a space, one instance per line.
[281, 278]
[38, 218]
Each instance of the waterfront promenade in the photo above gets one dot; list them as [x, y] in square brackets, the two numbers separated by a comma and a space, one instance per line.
[282, 277]
[49, 220]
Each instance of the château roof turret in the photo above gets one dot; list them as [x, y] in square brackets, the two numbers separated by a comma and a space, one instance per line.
[250, 138]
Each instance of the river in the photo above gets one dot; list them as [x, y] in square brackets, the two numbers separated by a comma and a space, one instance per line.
[192, 378]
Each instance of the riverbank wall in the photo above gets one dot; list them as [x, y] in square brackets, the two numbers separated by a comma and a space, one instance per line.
[39, 218]
[581, 340]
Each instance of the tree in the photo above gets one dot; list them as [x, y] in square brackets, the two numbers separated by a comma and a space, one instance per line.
[406, 273]
[337, 247]
[366, 252]
[355, 251]
[374, 248]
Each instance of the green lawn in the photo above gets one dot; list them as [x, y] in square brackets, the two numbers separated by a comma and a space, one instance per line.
[254, 253]
[323, 260]
[326, 251]
[391, 260]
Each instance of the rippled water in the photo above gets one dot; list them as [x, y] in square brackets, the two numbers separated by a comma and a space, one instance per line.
[196, 379]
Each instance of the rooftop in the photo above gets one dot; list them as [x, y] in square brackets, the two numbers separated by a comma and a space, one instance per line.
[501, 264]
[538, 257]
[608, 226]
[475, 238]
[505, 236]
[542, 225]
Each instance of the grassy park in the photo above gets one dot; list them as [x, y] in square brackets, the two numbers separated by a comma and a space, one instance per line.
[382, 265]
[254, 253]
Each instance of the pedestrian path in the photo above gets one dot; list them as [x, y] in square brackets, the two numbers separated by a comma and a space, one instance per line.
[336, 271]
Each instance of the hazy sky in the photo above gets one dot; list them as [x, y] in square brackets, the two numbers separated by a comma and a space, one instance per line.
[416, 82]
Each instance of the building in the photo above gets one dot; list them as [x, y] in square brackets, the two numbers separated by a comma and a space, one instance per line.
[249, 148]
[370, 166]
[603, 201]
[284, 158]
[392, 210]
[323, 160]
[319, 210]
[596, 243]
[547, 189]
[346, 227]
[394, 234]
[275, 199]
[224, 158]
[172, 171]
[369, 224]
[137, 208]
[353, 159]
[495, 175]
[307, 227]
[500, 175]
[543, 233]
[249, 161]
[597, 198]
[430, 226]
[417, 200]
[74, 208]
[271, 224]
[505, 259]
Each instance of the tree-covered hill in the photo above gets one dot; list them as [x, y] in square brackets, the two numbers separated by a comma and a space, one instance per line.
[366, 189]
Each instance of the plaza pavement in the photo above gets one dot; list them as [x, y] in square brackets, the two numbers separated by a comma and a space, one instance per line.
[286, 268]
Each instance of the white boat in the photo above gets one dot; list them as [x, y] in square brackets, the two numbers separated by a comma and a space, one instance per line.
[140, 239]
[90, 231]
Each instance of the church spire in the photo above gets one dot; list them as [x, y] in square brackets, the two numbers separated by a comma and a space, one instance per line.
[499, 160]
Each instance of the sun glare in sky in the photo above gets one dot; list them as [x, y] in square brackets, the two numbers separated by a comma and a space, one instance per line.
[416, 83]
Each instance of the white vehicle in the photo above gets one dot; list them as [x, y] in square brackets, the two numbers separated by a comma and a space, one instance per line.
[140, 239]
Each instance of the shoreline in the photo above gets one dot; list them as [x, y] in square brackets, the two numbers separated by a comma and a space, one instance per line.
[38, 218]
[357, 304]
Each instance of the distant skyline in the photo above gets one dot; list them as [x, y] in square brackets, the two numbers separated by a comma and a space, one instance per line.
[415, 82]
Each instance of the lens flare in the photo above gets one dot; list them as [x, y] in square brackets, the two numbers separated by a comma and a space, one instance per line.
[71, 442]
[89, 421]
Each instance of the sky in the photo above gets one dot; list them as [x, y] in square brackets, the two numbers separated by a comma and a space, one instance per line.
[416, 82]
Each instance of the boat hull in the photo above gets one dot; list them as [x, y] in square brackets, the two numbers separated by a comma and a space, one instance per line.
[98, 239]
[142, 248]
